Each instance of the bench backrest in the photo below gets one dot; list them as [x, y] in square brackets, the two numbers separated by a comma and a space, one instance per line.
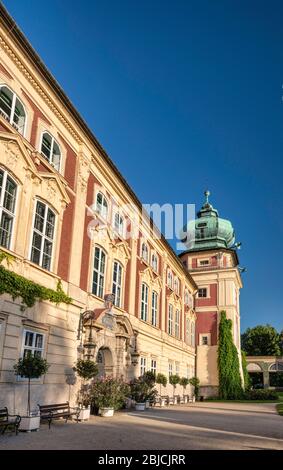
[54, 407]
[3, 414]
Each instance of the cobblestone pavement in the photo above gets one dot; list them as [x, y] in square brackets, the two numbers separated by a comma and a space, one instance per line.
[193, 426]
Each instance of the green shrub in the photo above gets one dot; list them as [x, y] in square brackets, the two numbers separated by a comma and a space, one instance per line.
[261, 395]
[109, 393]
[161, 379]
[194, 381]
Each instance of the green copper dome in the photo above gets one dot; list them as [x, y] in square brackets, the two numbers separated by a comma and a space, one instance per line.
[208, 231]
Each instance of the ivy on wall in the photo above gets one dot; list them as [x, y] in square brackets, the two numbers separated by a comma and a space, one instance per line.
[247, 379]
[30, 292]
[230, 384]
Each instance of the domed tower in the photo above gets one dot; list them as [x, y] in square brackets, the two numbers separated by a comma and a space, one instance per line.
[212, 260]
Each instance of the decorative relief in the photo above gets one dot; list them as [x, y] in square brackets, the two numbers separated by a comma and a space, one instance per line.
[84, 168]
[12, 154]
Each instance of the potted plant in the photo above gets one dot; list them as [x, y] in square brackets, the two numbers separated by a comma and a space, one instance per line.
[109, 394]
[139, 392]
[30, 367]
[161, 379]
[184, 381]
[174, 379]
[149, 378]
[194, 381]
[86, 370]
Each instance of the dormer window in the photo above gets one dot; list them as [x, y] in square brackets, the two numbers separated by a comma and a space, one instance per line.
[50, 150]
[144, 252]
[102, 205]
[12, 109]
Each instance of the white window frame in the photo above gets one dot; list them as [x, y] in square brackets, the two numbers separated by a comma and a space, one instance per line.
[154, 262]
[206, 261]
[144, 301]
[177, 323]
[188, 331]
[10, 118]
[53, 140]
[170, 319]
[142, 365]
[176, 285]
[43, 235]
[116, 284]
[154, 307]
[145, 249]
[177, 368]
[169, 278]
[101, 275]
[7, 175]
[203, 296]
[119, 225]
[153, 365]
[104, 209]
[170, 368]
[31, 348]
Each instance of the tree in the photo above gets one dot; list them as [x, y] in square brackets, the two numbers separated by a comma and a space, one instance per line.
[262, 340]
[86, 369]
[184, 381]
[161, 379]
[230, 383]
[31, 367]
[194, 381]
[174, 380]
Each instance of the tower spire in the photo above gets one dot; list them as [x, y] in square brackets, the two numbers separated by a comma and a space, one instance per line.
[207, 194]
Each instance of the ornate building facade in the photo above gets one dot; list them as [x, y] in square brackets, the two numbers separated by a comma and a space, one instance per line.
[66, 214]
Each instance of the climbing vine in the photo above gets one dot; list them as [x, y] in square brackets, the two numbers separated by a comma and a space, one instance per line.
[230, 384]
[30, 292]
[246, 376]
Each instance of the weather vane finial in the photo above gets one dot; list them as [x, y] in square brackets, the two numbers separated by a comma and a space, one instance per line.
[207, 194]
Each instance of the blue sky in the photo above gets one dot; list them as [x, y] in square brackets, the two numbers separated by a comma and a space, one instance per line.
[184, 96]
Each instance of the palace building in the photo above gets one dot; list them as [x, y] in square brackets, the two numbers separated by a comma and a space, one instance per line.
[66, 213]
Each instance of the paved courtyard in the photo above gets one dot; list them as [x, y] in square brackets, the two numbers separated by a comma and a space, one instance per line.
[194, 426]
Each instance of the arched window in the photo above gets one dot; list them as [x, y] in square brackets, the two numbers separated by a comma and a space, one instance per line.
[154, 262]
[98, 272]
[145, 252]
[12, 109]
[154, 304]
[117, 283]
[276, 367]
[102, 205]
[50, 150]
[169, 278]
[177, 323]
[119, 224]
[176, 285]
[144, 301]
[43, 235]
[8, 192]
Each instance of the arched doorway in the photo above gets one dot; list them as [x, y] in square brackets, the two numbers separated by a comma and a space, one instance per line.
[104, 361]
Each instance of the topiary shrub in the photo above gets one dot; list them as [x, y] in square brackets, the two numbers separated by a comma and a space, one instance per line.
[86, 369]
[174, 379]
[194, 381]
[161, 379]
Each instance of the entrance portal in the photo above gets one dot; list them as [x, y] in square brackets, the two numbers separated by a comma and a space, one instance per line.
[104, 361]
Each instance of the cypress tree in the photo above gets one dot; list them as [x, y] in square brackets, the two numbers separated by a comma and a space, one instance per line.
[230, 384]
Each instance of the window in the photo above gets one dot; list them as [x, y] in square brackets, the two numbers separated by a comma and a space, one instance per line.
[102, 205]
[154, 262]
[143, 365]
[170, 319]
[98, 272]
[12, 109]
[145, 252]
[193, 333]
[188, 331]
[204, 262]
[144, 302]
[176, 285]
[154, 303]
[177, 368]
[204, 340]
[169, 278]
[117, 283]
[43, 235]
[186, 298]
[153, 366]
[50, 150]
[177, 323]
[8, 192]
[119, 224]
[170, 368]
[202, 292]
[32, 344]
[277, 367]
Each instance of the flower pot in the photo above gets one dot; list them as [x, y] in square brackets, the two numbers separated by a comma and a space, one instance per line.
[106, 412]
[140, 406]
[175, 400]
[194, 399]
[147, 404]
[185, 398]
[162, 401]
[84, 414]
[29, 423]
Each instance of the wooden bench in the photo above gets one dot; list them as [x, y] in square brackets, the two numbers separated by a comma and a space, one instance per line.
[7, 420]
[58, 410]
